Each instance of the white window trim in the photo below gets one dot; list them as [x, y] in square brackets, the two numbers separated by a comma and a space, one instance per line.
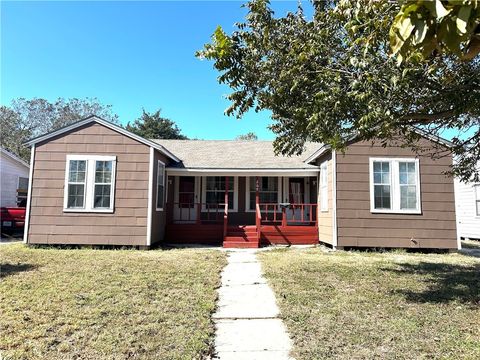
[474, 187]
[324, 187]
[247, 192]
[235, 193]
[90, 183]
[395, 186]
[157, 208]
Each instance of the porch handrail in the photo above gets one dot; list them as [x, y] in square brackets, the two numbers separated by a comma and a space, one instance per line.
[184, 211]
[308, 213]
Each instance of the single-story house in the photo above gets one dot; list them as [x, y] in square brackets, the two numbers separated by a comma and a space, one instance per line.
[13, 179]
[95, 183]
[467, 199]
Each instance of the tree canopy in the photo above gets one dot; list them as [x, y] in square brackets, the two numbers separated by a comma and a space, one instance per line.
[333, 77]
[427, 27]
[154, 126]
[25, 119]
[250, 136]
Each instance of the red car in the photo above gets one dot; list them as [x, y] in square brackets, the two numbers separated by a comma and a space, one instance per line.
[12, 219]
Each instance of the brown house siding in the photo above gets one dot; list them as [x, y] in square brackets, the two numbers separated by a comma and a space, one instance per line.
[325, 218]
[435, 227]
[127, 225]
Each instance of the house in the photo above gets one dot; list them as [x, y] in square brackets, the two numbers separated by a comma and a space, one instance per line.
[467, 196]
[96, 183]
[14, 179]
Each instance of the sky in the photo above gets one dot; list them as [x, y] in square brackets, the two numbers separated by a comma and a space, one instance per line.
[131, 55]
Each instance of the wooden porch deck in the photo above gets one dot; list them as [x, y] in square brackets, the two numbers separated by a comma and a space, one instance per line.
[273, 226]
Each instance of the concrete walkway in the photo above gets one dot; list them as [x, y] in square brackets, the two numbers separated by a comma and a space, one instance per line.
[247, 323]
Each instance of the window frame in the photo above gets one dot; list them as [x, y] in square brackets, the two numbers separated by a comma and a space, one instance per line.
[476, 187]
[395, 186]
[247, 192]
[235, 192]
[161, 208]
[89, 195]
[323, 187]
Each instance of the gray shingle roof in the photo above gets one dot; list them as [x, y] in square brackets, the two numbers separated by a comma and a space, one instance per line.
[233, 154]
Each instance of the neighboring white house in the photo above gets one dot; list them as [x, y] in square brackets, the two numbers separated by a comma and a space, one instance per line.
[13, 178]
[467, 200]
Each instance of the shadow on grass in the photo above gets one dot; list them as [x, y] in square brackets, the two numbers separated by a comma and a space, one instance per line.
[12, 269]
[445, 283]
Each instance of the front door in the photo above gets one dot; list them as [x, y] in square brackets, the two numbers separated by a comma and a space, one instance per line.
[296, 196]
[185, 207]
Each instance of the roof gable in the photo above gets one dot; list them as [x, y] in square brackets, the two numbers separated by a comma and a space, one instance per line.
[98, 120]
[14, 157]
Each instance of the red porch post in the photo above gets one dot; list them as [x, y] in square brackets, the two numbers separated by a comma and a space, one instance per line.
[225, 215]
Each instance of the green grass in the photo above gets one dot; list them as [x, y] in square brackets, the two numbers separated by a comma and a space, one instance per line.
[357, 305]
[471, 244]
[107, 304]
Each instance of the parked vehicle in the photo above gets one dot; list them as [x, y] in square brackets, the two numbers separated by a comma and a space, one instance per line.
[12, 219]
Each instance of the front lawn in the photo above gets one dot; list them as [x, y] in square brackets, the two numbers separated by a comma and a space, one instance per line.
[107, 304]
[357, 305]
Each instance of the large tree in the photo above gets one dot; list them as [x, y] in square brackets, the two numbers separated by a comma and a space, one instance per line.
[27, 118]
[428, 27]
[332, 77]
[154, 126]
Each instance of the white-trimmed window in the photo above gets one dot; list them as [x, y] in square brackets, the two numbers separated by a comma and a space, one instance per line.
[213, 191]
[160, 185]
[268, 191]
[476, 189]
[89, 183]
[324, 186]
[395, 185]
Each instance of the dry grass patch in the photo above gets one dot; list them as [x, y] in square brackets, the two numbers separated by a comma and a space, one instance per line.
[107, 304]
[355, 305]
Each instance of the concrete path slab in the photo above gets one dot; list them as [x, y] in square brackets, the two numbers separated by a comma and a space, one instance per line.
[246, 321]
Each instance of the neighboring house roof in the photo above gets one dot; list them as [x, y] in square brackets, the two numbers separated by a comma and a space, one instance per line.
[14, 157]
[98, 120]
[234, 154]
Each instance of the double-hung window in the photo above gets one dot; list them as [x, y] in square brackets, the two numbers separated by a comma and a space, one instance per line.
[324, 187]
[89, 183]
[394, 185]
[214, 191]
[268, 190]
[160, 185]
[476, 189]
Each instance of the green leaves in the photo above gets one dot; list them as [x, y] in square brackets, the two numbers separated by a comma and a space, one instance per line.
[449, 26]
[331, 77]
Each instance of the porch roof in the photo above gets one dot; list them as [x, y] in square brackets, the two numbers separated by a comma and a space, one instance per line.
[235, 156]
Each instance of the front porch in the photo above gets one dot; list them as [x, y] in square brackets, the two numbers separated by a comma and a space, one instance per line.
[232, 211]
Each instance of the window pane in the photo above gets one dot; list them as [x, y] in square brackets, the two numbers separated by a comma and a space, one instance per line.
[75, 195]
[102, 196]
[407, 173]
[76, 171]
[103, 172]
[218, 183]
[408, 197]
[382, 196]
[381, 172]
[160, 196]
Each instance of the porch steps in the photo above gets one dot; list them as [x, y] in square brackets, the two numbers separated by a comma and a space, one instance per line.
[243, 236]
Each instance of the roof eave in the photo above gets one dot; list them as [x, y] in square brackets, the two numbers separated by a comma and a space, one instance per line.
[98, 120]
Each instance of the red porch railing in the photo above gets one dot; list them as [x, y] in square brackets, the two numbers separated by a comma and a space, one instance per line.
[284, 214]
[198, 212]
